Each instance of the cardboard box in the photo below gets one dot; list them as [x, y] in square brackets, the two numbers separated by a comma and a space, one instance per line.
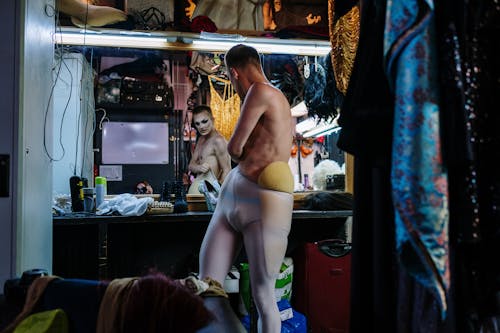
[196, 203]
[298, 199]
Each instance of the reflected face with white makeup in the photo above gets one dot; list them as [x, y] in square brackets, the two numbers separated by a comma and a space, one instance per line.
[203, 122]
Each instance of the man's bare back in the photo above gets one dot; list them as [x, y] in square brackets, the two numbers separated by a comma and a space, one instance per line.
[271, 138]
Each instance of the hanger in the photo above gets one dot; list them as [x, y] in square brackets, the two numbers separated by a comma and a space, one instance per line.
[219, 79]
[307, 69]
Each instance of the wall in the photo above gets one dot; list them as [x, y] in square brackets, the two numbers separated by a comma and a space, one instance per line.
[8, 123]
[74, 121]
[33, 180]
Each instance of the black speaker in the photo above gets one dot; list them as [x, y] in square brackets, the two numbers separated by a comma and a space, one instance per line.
[76, 185]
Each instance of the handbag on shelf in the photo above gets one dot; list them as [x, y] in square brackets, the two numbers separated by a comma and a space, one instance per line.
[203, 63]
[146, 92]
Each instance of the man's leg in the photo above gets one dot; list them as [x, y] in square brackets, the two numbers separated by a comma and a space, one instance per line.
[265, 243]
[220, 246]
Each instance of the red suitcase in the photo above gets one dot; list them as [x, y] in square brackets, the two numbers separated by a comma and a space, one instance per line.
[321, 285]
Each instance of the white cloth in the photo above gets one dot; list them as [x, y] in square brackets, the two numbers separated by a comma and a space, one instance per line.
[125, 204]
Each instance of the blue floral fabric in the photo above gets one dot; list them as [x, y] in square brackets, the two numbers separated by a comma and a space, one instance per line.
[418, 179]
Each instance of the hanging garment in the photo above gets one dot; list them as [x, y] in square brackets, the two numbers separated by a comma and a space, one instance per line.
[344, 37]
[367, 120]
[225, 108]
[323, 99]
[469, 88]
[283, 73]
[419, 181]
[232, 14]
[298, 13]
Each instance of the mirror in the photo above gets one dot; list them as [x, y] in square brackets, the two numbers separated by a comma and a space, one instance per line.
[162, 86]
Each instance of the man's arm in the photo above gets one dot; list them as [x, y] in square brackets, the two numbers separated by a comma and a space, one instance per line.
[253, 108]
[196, 167]
[223, 158]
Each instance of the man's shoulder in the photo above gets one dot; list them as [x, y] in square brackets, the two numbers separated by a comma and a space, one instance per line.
[266, 93]
[218, 139]
[265, 87]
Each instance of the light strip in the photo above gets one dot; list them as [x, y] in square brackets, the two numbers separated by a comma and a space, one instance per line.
[80, 37]
[330, 131]
[183, 41]
[306, 125]
[261, 47]
[322, 129]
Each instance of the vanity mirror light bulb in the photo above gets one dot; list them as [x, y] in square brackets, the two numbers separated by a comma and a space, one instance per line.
[265, 47]
[321, 130]
[184, 41]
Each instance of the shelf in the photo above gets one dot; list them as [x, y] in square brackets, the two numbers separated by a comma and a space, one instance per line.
[185, 41]
[299, 216]
[127, 108]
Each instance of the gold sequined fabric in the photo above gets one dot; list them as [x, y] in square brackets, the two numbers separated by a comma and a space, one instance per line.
[344, 37]
[225, 108]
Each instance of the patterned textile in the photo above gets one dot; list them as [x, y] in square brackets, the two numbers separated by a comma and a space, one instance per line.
[225, 108]
[344, 37]
[470, 86]
[419, 182]
[232, 14]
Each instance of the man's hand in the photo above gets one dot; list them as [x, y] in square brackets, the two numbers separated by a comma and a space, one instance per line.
[204, 168]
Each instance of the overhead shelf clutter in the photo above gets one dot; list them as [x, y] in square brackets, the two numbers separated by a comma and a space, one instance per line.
[185, 41]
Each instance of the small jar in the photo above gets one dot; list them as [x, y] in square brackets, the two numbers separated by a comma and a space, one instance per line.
[88, 200]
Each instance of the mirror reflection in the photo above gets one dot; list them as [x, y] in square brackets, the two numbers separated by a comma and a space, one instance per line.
[147, 90]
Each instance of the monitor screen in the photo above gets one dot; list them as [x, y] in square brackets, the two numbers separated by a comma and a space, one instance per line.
[135, 143]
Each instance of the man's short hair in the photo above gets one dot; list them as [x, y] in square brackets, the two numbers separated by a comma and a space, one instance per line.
[241, 55]
[202, 108]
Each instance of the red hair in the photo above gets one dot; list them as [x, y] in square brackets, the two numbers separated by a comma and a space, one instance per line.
[159, 304]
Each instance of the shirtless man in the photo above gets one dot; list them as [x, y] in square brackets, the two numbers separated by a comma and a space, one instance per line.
[255, 205]
[210, 159]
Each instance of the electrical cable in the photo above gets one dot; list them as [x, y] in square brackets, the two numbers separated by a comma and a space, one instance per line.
[78, 119]
[103, 118]
[59, 50]
[86, 94]
[51, 158]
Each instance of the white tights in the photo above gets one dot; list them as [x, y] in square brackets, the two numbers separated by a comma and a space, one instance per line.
[260, 220]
